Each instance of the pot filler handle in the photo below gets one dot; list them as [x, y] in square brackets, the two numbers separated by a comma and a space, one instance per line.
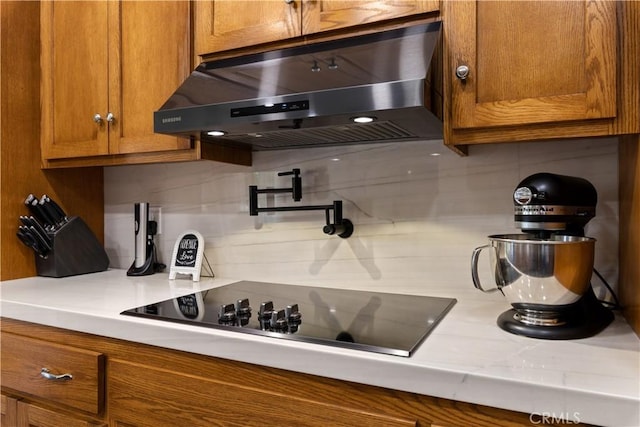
[474, 269]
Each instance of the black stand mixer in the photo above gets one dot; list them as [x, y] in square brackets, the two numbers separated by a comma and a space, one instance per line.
[546, 273]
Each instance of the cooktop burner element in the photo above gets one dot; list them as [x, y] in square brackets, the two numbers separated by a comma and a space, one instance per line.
[371, 321]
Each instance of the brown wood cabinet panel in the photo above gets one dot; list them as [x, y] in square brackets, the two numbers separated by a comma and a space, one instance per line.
[201, 151]
[30, 415]
[325, 15]
[106, 67]
[629, 243]
[8, 411]
[146, 396]
[627, 78]
[23, 358]
[224, 24]
[144, 55]
[532, 62]
[78, 191]
[149, 58]
[74, 60]
[138, 374]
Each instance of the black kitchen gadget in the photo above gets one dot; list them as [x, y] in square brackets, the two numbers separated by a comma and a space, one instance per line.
[144, 262]
[371, 321]
[546, 273]
[64, 246]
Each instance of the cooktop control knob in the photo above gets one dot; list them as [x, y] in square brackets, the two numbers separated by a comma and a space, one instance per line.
[243, 311]
[264, 315]
[243, 308]
[227, 314]
[294, 317]
[279, 322]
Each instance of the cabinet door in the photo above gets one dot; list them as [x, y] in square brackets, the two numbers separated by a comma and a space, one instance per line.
[74, 78]
[8, 411]
[230, 24]
[327, 15]
[531, 61]
[148, 396]
[149, 46]
[34, 416]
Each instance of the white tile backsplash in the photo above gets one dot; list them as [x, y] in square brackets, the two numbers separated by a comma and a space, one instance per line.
[417, 215]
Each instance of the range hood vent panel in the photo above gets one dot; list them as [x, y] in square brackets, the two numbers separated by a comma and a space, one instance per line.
[325, 136]
[307, 95]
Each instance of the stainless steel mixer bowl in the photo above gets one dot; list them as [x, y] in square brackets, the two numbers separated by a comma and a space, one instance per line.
[529, 270]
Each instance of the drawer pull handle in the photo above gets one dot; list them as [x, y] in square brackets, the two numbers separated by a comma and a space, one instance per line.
[48, 375]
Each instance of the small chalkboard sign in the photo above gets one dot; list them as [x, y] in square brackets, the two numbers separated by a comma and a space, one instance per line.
[187, 255]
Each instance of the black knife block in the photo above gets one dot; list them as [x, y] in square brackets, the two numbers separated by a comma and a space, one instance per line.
[76, 250]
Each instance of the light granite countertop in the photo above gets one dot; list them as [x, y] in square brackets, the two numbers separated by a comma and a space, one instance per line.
[466, 358]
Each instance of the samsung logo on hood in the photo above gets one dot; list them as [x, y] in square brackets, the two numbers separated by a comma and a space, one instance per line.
[370, 88]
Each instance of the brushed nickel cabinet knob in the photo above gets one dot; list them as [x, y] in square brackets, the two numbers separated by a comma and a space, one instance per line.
[462, 72]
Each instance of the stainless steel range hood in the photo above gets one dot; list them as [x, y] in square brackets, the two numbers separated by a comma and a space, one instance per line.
[310, 95]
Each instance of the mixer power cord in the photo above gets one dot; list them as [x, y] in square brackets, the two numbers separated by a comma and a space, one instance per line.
[612, 305]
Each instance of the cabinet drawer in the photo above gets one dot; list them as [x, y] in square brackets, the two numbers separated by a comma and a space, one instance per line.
[34, 416]
[24, 358]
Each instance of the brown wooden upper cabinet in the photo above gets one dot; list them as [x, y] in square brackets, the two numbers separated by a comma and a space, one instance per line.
[525, 70]
[106, 67]
[532, 62]
[224, 24]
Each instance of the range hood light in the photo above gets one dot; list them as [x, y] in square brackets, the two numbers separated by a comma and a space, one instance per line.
[363, 119]
[216, 133]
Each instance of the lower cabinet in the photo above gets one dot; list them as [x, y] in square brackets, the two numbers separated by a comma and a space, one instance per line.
[147, 396]
[48, 384]
[8, 408]
[71, 376]
[31, 415]
[124, 384]
[19, 413]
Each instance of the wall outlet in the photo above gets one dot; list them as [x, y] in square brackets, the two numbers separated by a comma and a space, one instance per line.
[155, 214]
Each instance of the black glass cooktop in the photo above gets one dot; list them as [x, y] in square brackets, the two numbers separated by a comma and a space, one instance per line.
[371, 321]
